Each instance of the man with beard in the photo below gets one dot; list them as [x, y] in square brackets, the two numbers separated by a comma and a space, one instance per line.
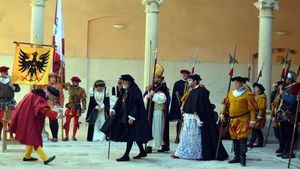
[200, 133]
[129, 121]
[158, 114]
[241, 106]
[75, 106]
[179, 89]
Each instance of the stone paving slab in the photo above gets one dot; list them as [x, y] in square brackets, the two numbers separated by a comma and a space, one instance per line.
[93, 155]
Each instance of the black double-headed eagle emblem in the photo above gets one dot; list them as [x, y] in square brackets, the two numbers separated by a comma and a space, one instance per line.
[33, 66]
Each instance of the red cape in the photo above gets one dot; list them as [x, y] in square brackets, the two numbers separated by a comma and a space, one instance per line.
[29, 118]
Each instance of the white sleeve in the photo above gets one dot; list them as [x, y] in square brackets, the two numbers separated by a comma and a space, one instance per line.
[91, 91]
[159, 98]
[107, 92]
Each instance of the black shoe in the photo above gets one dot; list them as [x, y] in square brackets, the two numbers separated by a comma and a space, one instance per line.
[54, 140]
[287, 156]
[74, 139]
[148, 150]
[123, 158]
[65, 139]
[279, 150]
[280, 155]
[235, 160]
[164, 149]
[49, 160]
[139, 156]
[243, 161]
[30, 159]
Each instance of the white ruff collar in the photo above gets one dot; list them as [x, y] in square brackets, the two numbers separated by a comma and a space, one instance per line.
[5, 80]
[239, 92]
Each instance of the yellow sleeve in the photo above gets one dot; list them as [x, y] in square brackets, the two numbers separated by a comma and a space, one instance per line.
[252, 106]
[225, 109]
[261, 105]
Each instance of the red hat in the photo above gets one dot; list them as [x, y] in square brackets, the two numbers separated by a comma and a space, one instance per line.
[52, 74]
[4, 69]
[184, 71]
[75, 79]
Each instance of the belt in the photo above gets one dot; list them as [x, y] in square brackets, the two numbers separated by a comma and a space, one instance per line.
[234, 117]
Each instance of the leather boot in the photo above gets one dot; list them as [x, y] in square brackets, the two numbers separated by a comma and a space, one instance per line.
[164, 149]
[236, 149]
[123, 158]
[148, 150]
[243, 148]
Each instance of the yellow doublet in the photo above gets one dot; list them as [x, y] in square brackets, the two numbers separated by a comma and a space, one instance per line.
[261, 111]
[241, 111]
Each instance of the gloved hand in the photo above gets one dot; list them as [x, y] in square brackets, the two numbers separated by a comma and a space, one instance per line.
[100, 108]
[60, 115]
[251, 123]
[221, 117]
[112, 112]
[60, 110]
[199, 123]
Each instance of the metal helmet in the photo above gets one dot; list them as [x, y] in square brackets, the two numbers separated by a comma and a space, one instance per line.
[291, 76]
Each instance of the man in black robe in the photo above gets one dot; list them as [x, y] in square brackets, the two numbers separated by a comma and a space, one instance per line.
[179, 88]
[129, 121]
[198, 102]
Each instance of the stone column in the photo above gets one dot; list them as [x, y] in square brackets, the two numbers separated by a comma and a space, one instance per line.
[152, 10]
[37, 21]
[37, 32]
[266, 8]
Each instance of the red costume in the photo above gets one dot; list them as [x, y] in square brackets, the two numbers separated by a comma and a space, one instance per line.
[28, 122]
[29, 118]
[75, 106]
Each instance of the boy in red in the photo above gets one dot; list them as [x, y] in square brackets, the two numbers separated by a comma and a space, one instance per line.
[29, 118]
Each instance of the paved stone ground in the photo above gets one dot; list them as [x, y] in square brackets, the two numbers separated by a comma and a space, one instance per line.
[87, 155]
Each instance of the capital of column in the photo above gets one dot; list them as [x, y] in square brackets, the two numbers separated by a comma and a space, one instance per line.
[152, 6]
[267, 4]
[40, 3]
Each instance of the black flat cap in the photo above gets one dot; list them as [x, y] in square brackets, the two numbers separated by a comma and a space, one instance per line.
[260, 86]
[99, 83]
[195, 77]
[127, 77]
[239, 79]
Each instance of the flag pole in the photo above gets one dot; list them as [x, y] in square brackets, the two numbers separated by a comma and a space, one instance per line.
[32, 44]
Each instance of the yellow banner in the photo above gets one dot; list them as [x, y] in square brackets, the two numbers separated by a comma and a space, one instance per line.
[32, 65]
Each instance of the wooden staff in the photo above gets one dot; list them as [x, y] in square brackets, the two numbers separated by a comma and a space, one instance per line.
[228, 89]
[109, 141]
[276, 106]
[260, 72]
[294, 131]
[249, 66]
[153, 77]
